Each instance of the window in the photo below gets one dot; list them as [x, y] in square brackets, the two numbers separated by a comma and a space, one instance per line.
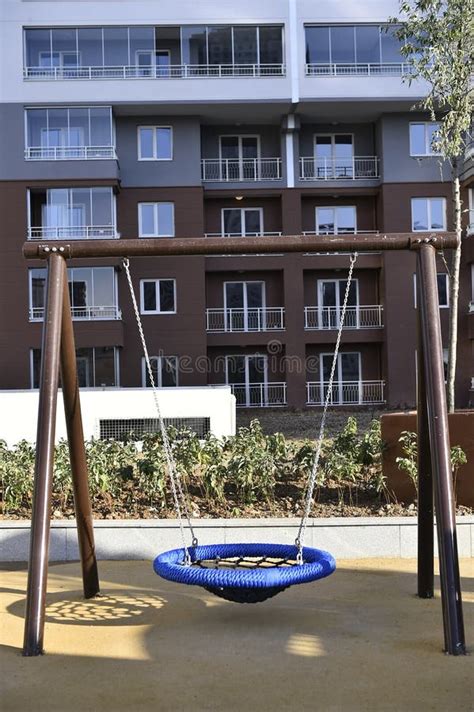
[336, 220]
[158, 296]
[333, 156]
[239, 157]
[164, 369]
[421, 138]
[71, 213]
[92, 291]
[155, 143]
[156, 219]
[64, 133]
[351, 44]
[428, 214]
[240, 222]
[97, 367]
[443, 290]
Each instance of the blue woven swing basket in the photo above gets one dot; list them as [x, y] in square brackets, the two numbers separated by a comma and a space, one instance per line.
[244, 573]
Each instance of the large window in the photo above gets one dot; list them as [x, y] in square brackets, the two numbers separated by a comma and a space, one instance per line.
[66, 213]
[241, 222]
[155, 143]
[92, 291]
[156, 219]
[351, 44]
[428, 214]
[128, 52]
[336, 220]
[158, 296]
[164, 370]
[69, 133]
[97, 367]
[422, 134]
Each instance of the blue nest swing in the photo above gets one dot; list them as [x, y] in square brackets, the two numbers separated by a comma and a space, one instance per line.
[244, 573]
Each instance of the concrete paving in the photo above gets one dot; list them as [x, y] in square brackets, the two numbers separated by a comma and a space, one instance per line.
[357, 641]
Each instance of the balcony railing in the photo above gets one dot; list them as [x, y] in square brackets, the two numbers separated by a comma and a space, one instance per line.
[241, 320]
[173, 71]
[341, 231]
[82, 232]
[239, 234]
[329, 318]
[248, 169]
[259, 395]
[356, 168]
[69, 153]
[95, 313]
[345, 392]
[351, 69]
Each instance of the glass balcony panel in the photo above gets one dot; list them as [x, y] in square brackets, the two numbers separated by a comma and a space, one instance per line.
[317, 45]
[168, 48]
[390, 46]
[37, 123]
[142, 40]
[101, 127]
[38, 44]
[245, 45]
[368, 44]
[342, 45]
[220, 45]
[271, 46]
[116, 47]
[194, 46]
[101, 207]
[64, 49]
[90, 47]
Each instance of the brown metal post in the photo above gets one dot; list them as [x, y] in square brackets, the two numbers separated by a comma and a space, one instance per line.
[77, 452]
[425, 480]
[41, 515]
[440, 453]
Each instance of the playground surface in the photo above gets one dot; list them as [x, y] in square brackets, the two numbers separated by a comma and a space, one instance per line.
[357, 641]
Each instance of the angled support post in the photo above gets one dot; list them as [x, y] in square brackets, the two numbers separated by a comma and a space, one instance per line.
[77, 452]
[41, 515]
[425, 587]
[440, 452]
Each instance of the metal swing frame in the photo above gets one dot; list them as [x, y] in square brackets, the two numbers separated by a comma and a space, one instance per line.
[58, 355]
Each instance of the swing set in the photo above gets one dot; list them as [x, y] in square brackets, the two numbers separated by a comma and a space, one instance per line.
[243, 573]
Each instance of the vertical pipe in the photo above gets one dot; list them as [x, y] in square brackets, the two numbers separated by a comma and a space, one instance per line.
[425, 481]
[77, 453]
[440, 453]
[41, 515]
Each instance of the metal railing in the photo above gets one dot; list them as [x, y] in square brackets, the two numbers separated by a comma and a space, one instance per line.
[328, 318]
[241, 320]
[239, 234]
[345, 392]
[259, 395]
[69, 153]
[341, 231]
[247, 169]
[81, 232]
[83, 313]
[172, 71]
[358, 69]
[356, 168]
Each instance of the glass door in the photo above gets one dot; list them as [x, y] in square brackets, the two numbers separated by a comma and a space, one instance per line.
[347, 387]
[331, 294]
[239, 222]
[248, 377]
[239, 157]
[243, 303]
[333, 156]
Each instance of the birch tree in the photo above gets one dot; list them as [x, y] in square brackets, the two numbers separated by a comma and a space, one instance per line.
[437, 38]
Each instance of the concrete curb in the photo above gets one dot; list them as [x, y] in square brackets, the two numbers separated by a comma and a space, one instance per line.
[345, 538]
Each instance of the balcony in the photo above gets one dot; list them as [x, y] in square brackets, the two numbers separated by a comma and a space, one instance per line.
[82, 232]
[259, 395]
[345, 392]
[95, 313]
[246, 170]
[245, 320]
[70, 153]
[171, 71]
[240, 234]
[324, 169]
[328, 318]
[359, 69]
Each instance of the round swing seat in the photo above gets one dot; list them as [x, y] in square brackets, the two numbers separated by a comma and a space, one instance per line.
[244, 573]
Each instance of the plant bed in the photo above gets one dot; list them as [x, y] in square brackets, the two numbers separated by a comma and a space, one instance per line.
[251, 475]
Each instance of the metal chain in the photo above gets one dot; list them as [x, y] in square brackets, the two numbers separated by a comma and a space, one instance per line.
[314, 470]
[175, 478]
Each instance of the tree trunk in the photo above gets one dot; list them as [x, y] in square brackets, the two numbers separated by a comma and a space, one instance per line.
[454, 289]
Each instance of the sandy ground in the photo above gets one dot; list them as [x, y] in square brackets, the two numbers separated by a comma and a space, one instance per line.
[359, 640]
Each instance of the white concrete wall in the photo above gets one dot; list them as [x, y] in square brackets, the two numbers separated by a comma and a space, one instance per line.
[18, 409]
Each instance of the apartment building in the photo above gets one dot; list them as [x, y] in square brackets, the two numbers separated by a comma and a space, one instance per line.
[163, 120]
